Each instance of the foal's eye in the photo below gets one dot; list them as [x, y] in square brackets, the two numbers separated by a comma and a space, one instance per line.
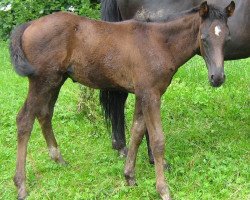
[203, 36]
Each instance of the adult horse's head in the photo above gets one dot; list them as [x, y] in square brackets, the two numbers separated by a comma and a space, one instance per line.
[214, 33]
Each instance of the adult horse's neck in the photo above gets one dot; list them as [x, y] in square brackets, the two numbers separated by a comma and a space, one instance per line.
[181, 38]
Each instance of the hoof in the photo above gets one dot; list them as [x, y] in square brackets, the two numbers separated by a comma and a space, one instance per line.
[123, 152]
[163, 190]
[131, 182]
[166, 197]
[22, 194]
[151, 161]
[61, 161]
[55, 155]
[20, 185]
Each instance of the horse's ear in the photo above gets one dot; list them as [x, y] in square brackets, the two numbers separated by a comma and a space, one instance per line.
[230, 9]
[204, 9]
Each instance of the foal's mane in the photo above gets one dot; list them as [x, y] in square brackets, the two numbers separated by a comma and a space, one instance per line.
[148, 16]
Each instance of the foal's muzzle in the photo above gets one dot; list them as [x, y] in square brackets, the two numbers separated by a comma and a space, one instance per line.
[217, 78]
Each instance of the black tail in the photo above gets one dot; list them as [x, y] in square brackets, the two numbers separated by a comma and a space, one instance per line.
[110, 11]
[18, 58]
[113, 102]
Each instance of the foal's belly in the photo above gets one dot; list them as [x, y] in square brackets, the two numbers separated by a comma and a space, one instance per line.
[99, 77]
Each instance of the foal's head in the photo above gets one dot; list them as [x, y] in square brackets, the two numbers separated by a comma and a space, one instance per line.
[214, 33]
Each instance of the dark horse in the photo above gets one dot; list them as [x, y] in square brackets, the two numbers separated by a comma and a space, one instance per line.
[238, 47]
[114, 56]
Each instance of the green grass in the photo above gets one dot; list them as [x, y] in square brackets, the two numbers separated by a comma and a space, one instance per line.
[207, 135]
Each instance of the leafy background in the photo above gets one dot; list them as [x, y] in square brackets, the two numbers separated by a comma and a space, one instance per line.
[25, 10]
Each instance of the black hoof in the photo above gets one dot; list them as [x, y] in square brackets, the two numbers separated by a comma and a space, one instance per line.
[151, 161]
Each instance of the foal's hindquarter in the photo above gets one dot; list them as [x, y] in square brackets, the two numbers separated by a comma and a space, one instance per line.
[136, 57]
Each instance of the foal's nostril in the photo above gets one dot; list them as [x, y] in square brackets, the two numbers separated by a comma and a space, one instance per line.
[212, 77]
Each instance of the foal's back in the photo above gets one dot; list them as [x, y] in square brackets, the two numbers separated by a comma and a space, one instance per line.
[95, 53]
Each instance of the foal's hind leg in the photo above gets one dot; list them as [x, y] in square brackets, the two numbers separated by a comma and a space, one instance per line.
[25, 121]
[138, 130]
[39, 91]
[44, 117]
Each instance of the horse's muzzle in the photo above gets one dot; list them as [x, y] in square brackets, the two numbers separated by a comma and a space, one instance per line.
[217, 80]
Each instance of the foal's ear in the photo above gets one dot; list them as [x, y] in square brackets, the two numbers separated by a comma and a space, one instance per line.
[230, 9]
[204, 9]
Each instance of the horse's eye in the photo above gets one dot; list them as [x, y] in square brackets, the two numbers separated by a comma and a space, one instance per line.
[204, 37]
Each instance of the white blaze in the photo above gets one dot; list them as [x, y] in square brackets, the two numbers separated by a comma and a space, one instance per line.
[217, 30]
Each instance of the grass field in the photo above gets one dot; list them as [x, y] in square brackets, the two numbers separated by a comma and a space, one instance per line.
[207, 135]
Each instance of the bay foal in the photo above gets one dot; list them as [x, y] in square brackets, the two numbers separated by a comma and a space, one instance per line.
[117, 56]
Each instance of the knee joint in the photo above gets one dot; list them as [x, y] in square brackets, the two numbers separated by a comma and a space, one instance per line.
[138, 127]
[158, 145]
[18, 180]
[24, 124]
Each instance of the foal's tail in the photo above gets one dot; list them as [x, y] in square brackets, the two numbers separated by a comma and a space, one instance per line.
[110, 11]
[18, 58]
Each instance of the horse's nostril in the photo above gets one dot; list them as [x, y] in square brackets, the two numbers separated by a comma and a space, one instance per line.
[212, 77]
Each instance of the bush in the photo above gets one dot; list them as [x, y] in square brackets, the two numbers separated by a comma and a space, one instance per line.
[88, 103]
[15, 12]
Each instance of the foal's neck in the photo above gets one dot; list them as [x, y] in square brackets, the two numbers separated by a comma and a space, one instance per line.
[181, 37]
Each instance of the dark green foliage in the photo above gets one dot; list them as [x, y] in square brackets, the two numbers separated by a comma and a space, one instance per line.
[25, 10]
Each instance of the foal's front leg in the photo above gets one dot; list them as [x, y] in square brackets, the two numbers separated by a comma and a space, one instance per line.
[151, 112]
[138, 129]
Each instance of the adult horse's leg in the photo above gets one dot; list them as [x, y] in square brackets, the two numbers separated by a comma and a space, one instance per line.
[44, 117]
[39, 91]
[151, 112]
[138, 130]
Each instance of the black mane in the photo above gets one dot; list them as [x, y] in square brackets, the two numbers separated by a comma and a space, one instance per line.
[154, 16]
